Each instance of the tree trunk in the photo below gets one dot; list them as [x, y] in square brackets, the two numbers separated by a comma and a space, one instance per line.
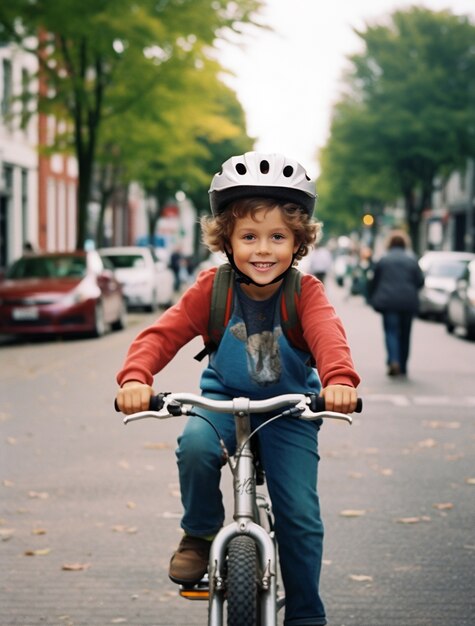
[412, 217]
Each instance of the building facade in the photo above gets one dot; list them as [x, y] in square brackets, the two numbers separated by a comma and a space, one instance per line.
[450, 224]
[18, 152]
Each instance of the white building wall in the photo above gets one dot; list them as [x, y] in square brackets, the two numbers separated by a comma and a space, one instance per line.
[18, 151]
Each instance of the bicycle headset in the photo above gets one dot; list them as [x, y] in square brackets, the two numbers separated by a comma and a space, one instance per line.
[255, 174]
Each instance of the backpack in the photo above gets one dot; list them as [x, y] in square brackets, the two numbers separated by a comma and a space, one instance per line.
[222, 296]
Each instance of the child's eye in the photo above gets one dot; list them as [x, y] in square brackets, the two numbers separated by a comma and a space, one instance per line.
[278, 236]
[248, 237]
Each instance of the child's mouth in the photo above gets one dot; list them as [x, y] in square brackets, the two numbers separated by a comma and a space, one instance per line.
[262, 266]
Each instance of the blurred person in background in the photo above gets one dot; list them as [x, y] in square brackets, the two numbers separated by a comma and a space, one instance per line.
[393, 292]
[362, 273]
[320, 262]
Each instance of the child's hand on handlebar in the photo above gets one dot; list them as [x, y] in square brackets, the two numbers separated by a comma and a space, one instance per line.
[340, 398]
[133, 397]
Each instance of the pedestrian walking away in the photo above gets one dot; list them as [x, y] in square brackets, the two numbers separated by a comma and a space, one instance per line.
[393, 292]
[262, 219]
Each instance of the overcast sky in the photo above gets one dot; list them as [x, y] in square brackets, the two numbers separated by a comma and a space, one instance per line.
[287, 80]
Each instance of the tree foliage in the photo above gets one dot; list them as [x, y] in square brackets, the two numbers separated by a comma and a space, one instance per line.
[100, 57]
[409, 113]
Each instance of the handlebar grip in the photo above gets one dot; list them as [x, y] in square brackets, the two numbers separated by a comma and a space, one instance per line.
[318, 404]
[155, 404]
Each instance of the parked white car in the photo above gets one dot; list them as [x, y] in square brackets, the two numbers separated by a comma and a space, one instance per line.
[442, 270]
[146, 281]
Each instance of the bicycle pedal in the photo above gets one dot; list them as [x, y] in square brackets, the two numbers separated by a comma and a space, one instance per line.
[199, 591]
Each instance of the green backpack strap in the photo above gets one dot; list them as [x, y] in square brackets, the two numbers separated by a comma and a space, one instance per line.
[289, 317]
[291, 288]
[220, 308]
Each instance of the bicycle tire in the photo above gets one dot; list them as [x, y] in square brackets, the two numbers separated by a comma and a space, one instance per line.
[242, 586]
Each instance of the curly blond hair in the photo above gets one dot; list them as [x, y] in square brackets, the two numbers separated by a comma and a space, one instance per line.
[217, 230]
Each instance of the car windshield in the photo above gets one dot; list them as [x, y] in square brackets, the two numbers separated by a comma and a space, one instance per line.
[121, 261]
[48, 267]
[447, 269]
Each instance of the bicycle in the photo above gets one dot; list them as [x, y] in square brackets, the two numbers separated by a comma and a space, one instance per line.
[243, 563]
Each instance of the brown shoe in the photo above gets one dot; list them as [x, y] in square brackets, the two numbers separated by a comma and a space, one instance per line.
[189, 563]
[394, 369]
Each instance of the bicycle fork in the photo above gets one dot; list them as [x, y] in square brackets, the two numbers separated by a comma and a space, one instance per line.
[244, 507]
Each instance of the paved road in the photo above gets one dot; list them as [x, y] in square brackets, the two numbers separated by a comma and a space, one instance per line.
[90, 509]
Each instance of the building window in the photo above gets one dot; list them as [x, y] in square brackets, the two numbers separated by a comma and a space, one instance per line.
[7, 89]
[25, 99]
[24, 205]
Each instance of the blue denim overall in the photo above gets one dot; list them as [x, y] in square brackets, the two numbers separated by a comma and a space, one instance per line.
[261, 368]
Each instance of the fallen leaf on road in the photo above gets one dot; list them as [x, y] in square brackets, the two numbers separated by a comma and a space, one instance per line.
[361, 578]
[413, 520]
[38, 531]
[6, 533]
[75, 567]
[352, 513]
[470, 481]
[118, 620]
[7, 483]
[41, 495]
[427, 443]
[131, 505]
[444, 506]
[124, 464]
[157, 446]
[355, 475]
[121, 528]
[40, 552]
[436, 425]
[11, 441]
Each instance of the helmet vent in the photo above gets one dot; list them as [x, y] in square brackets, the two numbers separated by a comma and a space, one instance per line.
[288, 171]
[264, 167]
[241, 168]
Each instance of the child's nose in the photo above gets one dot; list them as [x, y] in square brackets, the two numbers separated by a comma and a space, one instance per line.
[262, 246]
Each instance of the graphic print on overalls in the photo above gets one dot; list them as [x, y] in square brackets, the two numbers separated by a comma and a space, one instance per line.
[262, 352]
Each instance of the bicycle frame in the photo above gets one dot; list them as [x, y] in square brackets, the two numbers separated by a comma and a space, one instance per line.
[245, 495]
[244, 487]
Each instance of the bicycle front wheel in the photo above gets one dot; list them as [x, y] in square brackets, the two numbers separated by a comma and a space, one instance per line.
[242, 586]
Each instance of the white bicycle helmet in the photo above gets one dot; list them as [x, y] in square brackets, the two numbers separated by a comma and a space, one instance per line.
[265, 175]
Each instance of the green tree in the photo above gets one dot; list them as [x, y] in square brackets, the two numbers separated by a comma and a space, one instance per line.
[352, 182]
[412, 98]
[99, 57]
[168, 140]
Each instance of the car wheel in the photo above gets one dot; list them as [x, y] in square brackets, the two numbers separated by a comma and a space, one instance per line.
[121, 321]
[99, 321]
[449, 326]
[153, 306]
[470, 332]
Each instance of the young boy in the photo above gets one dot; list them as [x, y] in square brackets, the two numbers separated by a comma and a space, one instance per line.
[262, 207]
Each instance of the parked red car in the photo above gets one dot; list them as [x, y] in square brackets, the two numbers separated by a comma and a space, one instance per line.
[67, 292]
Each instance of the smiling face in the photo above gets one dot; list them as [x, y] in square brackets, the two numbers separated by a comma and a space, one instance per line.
[262, 247]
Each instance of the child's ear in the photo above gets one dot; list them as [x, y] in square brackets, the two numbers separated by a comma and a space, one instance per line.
[297, 246]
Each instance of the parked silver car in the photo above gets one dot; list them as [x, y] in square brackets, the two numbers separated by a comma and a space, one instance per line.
[461, 305]
[146, 281]
[441, 271]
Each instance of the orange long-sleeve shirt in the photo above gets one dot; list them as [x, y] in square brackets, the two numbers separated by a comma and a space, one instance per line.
[322, 329]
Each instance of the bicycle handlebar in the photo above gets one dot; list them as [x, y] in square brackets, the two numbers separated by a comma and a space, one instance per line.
[307, 406]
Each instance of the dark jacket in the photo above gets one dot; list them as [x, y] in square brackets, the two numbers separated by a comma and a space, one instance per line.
[397, 280]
